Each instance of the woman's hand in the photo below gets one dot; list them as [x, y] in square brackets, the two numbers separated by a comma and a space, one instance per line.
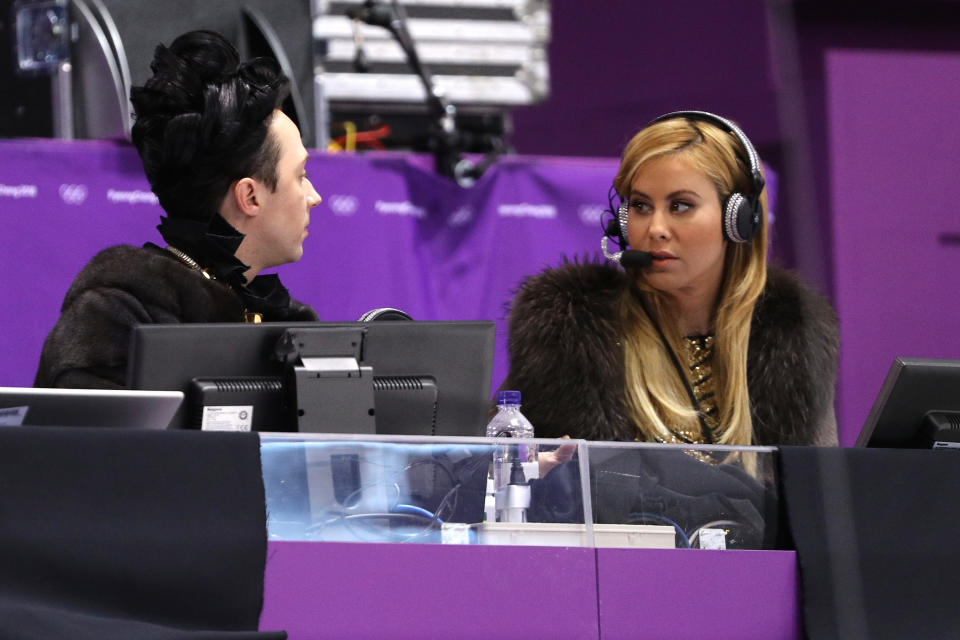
[547, 460]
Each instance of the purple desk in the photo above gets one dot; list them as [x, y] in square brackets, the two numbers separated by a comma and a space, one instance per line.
[667, 593]
[337, 590]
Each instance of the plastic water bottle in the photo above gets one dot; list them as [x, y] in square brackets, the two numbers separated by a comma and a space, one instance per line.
[514, 465]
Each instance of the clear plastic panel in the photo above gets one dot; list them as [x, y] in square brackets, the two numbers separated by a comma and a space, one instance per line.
[712, 497]
[373, 490]
[488, 491]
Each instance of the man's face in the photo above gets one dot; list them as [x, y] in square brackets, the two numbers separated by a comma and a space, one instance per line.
[281, 227]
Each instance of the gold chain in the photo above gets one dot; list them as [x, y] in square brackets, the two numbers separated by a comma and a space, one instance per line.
[248, 316]
[190, 262]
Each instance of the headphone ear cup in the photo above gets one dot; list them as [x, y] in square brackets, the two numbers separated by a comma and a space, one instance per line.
[741, 218]
[623, 215]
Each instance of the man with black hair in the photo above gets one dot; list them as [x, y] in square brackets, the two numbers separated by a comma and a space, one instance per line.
[228, 168]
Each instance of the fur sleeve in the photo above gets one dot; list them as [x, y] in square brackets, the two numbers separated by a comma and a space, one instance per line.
[565, 352]
[792, 364]
[123, 286]
[88, 345]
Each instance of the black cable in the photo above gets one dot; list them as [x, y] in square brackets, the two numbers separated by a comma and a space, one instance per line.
[611, 227]
[644, 518]
[357, 523]
[455, 482]
[707, 433]
[351, 521]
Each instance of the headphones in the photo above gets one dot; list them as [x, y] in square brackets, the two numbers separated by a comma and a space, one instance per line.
[384, 313]
[742, 212]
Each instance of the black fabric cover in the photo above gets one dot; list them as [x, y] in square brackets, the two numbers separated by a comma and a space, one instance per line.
[873, 529]
[130, 534]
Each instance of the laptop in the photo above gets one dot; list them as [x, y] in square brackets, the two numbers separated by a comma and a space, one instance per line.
[27, 406]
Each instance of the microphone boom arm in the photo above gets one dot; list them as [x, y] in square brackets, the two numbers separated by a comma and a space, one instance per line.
[446, 141]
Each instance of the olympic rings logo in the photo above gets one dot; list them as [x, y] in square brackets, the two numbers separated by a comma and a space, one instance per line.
[591, 214]
[343, 205]
[73, 193]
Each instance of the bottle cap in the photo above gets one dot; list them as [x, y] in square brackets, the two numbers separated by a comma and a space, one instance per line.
[508, 397]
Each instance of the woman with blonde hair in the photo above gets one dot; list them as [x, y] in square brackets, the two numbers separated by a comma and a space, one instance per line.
[693, 338]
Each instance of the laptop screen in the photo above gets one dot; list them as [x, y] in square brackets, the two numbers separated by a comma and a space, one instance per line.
[26, 406]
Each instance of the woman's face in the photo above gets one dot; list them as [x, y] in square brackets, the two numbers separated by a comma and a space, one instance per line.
[675, 215]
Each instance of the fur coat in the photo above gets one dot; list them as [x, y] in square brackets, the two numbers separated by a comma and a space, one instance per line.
[566, 357]
[123, 286]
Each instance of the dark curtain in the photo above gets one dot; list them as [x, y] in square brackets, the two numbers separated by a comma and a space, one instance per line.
[130, 534]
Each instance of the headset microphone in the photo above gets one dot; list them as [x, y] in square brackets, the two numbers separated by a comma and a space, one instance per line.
[636, 258]
[627, 257]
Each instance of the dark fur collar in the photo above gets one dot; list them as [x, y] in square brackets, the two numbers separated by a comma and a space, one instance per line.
[565, 357]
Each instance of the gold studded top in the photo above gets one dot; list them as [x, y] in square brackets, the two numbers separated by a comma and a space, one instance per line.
[699, 355]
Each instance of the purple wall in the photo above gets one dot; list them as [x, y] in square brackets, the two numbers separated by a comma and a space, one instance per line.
[616, 65]
[894, 143]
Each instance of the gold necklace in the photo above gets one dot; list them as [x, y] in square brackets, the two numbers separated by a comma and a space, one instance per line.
[248, 316]
[190, 262]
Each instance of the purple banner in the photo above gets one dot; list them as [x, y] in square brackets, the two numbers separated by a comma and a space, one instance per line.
[61, 203]
[390, 232]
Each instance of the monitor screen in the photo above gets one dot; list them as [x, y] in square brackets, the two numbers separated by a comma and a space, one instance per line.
[390, 378]
[918, 406]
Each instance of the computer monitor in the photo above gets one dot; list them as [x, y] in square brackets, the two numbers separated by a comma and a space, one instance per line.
[389, 378]
[918, 406]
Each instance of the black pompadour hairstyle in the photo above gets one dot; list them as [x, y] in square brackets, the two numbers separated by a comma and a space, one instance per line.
[202, 121]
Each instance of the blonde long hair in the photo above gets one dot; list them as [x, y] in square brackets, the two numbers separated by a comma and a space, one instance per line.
[656, 396]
